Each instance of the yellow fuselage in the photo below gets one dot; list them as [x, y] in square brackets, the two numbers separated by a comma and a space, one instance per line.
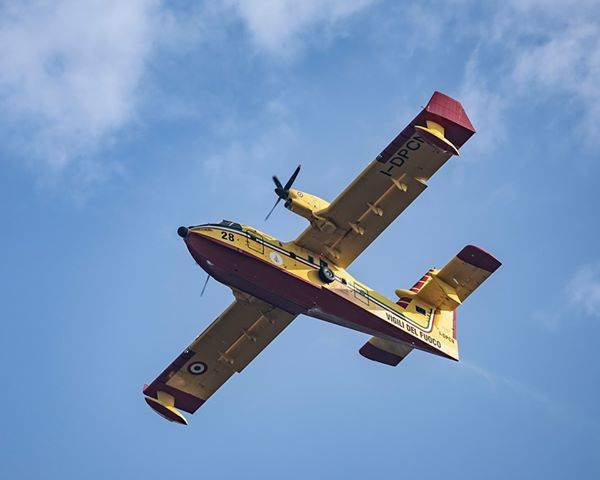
[287, 276]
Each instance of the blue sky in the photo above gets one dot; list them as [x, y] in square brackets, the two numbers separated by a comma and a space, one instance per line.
[120, 122]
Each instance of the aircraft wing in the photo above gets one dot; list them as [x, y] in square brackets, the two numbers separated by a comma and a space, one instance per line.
[230, 343]
[390, 183]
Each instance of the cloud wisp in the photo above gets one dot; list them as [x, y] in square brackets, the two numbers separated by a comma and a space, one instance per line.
[584, 290]
[581, 293]
[72, 73]
[280, 27]
[513, 387]
[537, 48]
[487, 108]
[69, 72]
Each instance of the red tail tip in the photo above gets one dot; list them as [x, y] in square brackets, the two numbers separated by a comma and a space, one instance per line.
[479, 258]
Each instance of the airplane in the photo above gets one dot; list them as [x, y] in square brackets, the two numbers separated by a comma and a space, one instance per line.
[273, 282]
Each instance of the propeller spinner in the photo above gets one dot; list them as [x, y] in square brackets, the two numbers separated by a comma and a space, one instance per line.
[283, 191]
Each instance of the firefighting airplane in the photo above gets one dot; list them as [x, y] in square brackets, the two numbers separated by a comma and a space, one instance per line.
[273, 282]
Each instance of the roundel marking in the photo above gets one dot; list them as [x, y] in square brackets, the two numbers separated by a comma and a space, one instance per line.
[197, 368]
[276, 258]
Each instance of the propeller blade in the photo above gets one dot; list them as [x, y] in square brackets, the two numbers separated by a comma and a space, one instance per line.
[283, 192]
[277, 182]
[292, 178]
[269, 214]
[204, 286]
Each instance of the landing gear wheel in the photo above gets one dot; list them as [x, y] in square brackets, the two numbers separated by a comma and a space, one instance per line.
[326, 274]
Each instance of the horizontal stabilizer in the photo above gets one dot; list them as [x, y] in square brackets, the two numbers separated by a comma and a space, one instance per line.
[447, 288]
[384, 351]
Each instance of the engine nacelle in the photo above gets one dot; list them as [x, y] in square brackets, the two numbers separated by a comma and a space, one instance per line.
[305, 204]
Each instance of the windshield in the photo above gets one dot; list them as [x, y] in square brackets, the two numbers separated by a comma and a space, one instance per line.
[227, 223]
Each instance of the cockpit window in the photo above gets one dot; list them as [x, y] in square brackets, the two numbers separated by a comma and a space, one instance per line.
[227, 223]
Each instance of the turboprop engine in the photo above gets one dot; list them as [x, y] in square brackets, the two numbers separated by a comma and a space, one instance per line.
[305, 204]
[301, 203]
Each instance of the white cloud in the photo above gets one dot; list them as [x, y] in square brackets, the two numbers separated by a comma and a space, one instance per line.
[485, 108]
[533, 51]
[69, 71]
[584, 290]
[566, 62]
[278, 26]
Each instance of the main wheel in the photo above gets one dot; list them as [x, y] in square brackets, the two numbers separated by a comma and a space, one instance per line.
[326, 274]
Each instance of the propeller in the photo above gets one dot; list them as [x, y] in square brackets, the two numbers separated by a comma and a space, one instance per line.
[283, 191]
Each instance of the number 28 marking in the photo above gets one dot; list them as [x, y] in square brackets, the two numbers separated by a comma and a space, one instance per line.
[227, 236]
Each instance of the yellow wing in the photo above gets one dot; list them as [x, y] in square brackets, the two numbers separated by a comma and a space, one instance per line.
[390, 183]
[230, 343]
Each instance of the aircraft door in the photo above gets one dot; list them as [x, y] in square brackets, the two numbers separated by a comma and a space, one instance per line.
[255, 241]
[361, 293]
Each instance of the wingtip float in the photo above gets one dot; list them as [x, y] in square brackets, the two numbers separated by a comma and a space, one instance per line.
[433, 134]
[273, 282]
[164, 405]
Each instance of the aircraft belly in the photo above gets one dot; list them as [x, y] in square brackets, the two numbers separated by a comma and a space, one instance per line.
[253, 275]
